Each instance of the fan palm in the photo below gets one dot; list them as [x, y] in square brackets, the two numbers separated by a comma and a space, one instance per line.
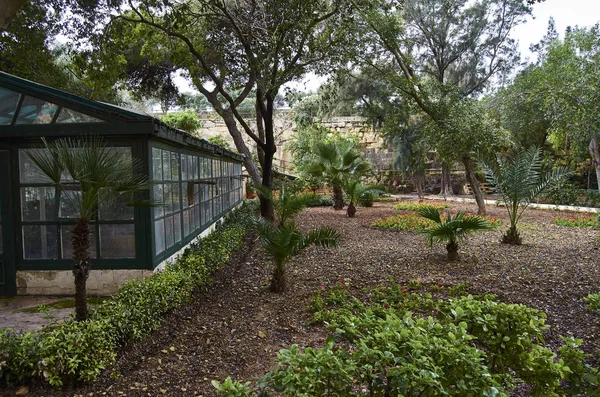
[452, 230]
[88, 174]
[283, 241]
[336, 163]
[519, 180]
[355, 191]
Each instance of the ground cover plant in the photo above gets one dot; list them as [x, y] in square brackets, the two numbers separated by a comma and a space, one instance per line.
[396, 342]
[416, 206]
[236, 326]
[413, 222]
[578, 220]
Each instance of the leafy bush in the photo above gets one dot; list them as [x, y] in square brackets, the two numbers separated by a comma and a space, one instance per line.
[320, 201]
[415, 206]
[410, 344]
[563, 193]
[187, 120]
[578, 220]
[73, 351]
[593, 302]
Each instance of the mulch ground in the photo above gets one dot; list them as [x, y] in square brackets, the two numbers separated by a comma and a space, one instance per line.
[236, 327]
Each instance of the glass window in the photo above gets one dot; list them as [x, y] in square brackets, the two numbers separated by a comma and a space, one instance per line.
[8, 104]
[168, 199]
[156, 164]
[39, 242]
[67, 115]
[117, 241]
[177, 227]
[159, 236]
[36, 111]
[169, 231]
[69, 201]
[29, 172]
[38, 203]
[159, 208]
[184, 168]
[166, 163]
[114, 208]
[174, 166]
[66, 245]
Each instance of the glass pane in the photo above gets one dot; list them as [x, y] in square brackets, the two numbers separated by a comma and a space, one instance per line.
[39, 242]
[195, 165]
[186, 223]
[174, 166]
[36, 111]
[169, 231]
[38, 203]
[159, 236]
[67, 247]
[156, 164]
[185, 194]
[176, 203]
[114, 207]
[30, 173]
[184, 167]
[166, 163]
[158, 199]
[191, 162]
[69, 204]
[8, 104]
[117, 241]
[67, 115]
[177, 227]
[168, 199]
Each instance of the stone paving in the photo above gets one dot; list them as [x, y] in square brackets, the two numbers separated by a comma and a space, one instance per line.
[13, 316]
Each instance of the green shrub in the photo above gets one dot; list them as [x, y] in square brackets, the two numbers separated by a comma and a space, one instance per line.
[593, 302]
[321, 201]
[582, 378]
[73, 351]
[412, 222]
[416, 206]
[563, 193]
[578, 220]
[186, 120]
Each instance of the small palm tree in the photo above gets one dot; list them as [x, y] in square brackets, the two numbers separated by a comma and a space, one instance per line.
[282, 239]
[89, 173]
[518, 179]
[282, 242]
[355, 192]
[335, 163]
[452, 230]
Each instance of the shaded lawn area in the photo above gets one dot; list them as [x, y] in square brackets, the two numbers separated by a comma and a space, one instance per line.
[236, 327]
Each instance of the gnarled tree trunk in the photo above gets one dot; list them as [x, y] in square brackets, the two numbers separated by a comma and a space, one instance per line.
[446, 184]
[595, 154]
[338, 198]
[475, 185]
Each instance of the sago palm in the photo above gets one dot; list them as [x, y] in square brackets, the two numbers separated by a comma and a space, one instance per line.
[89, 174]
[355, 191]
[336, 163]
[283, 241]
[519, 180]
[452, 230]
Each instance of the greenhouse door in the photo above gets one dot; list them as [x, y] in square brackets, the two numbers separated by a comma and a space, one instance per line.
[7, 267]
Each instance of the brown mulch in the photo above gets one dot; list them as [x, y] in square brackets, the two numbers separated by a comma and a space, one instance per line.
[236, 327]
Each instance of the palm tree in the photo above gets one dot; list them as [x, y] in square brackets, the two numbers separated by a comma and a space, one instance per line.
[452, 229]
[336, 163]
[282, 239]
[88, 173]
[518, 179]
[355, 191]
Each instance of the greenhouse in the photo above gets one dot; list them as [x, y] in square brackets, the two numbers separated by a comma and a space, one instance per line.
[194, 184]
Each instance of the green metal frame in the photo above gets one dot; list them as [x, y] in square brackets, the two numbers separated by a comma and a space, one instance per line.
[9, 287]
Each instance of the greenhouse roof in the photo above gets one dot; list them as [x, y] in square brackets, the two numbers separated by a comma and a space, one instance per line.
[32, 109]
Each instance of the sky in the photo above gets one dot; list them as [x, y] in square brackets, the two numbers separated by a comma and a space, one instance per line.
[566, 13]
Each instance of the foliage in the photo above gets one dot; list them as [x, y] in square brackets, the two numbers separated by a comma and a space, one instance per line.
[401, 343]
[562, 193]
[73, 351]
[219, 141]
[452, 230]
[320, 201]
[519, 180]
[416, 206]
[358, 193]
[593, 302]
[411, 222]
[187, 121]
[578, 220]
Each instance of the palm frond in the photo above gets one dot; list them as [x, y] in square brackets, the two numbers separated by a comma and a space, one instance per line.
[431, 214]
[326, 237]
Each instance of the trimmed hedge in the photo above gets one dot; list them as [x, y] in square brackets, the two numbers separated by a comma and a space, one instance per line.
[72, 351]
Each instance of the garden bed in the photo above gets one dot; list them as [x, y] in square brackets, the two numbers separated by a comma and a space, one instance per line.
[237, 326]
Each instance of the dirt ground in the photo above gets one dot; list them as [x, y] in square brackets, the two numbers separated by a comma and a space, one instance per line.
[237, 326]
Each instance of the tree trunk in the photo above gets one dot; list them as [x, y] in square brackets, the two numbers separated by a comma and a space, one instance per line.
[266, 207]
[452, 249]
[419, 186]
[278, 282]
[80, 241]
[351, 211]
[512, 237]
[338, 198]
[446, 184]
[595, 153]
[474, 183]
[241, 146]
